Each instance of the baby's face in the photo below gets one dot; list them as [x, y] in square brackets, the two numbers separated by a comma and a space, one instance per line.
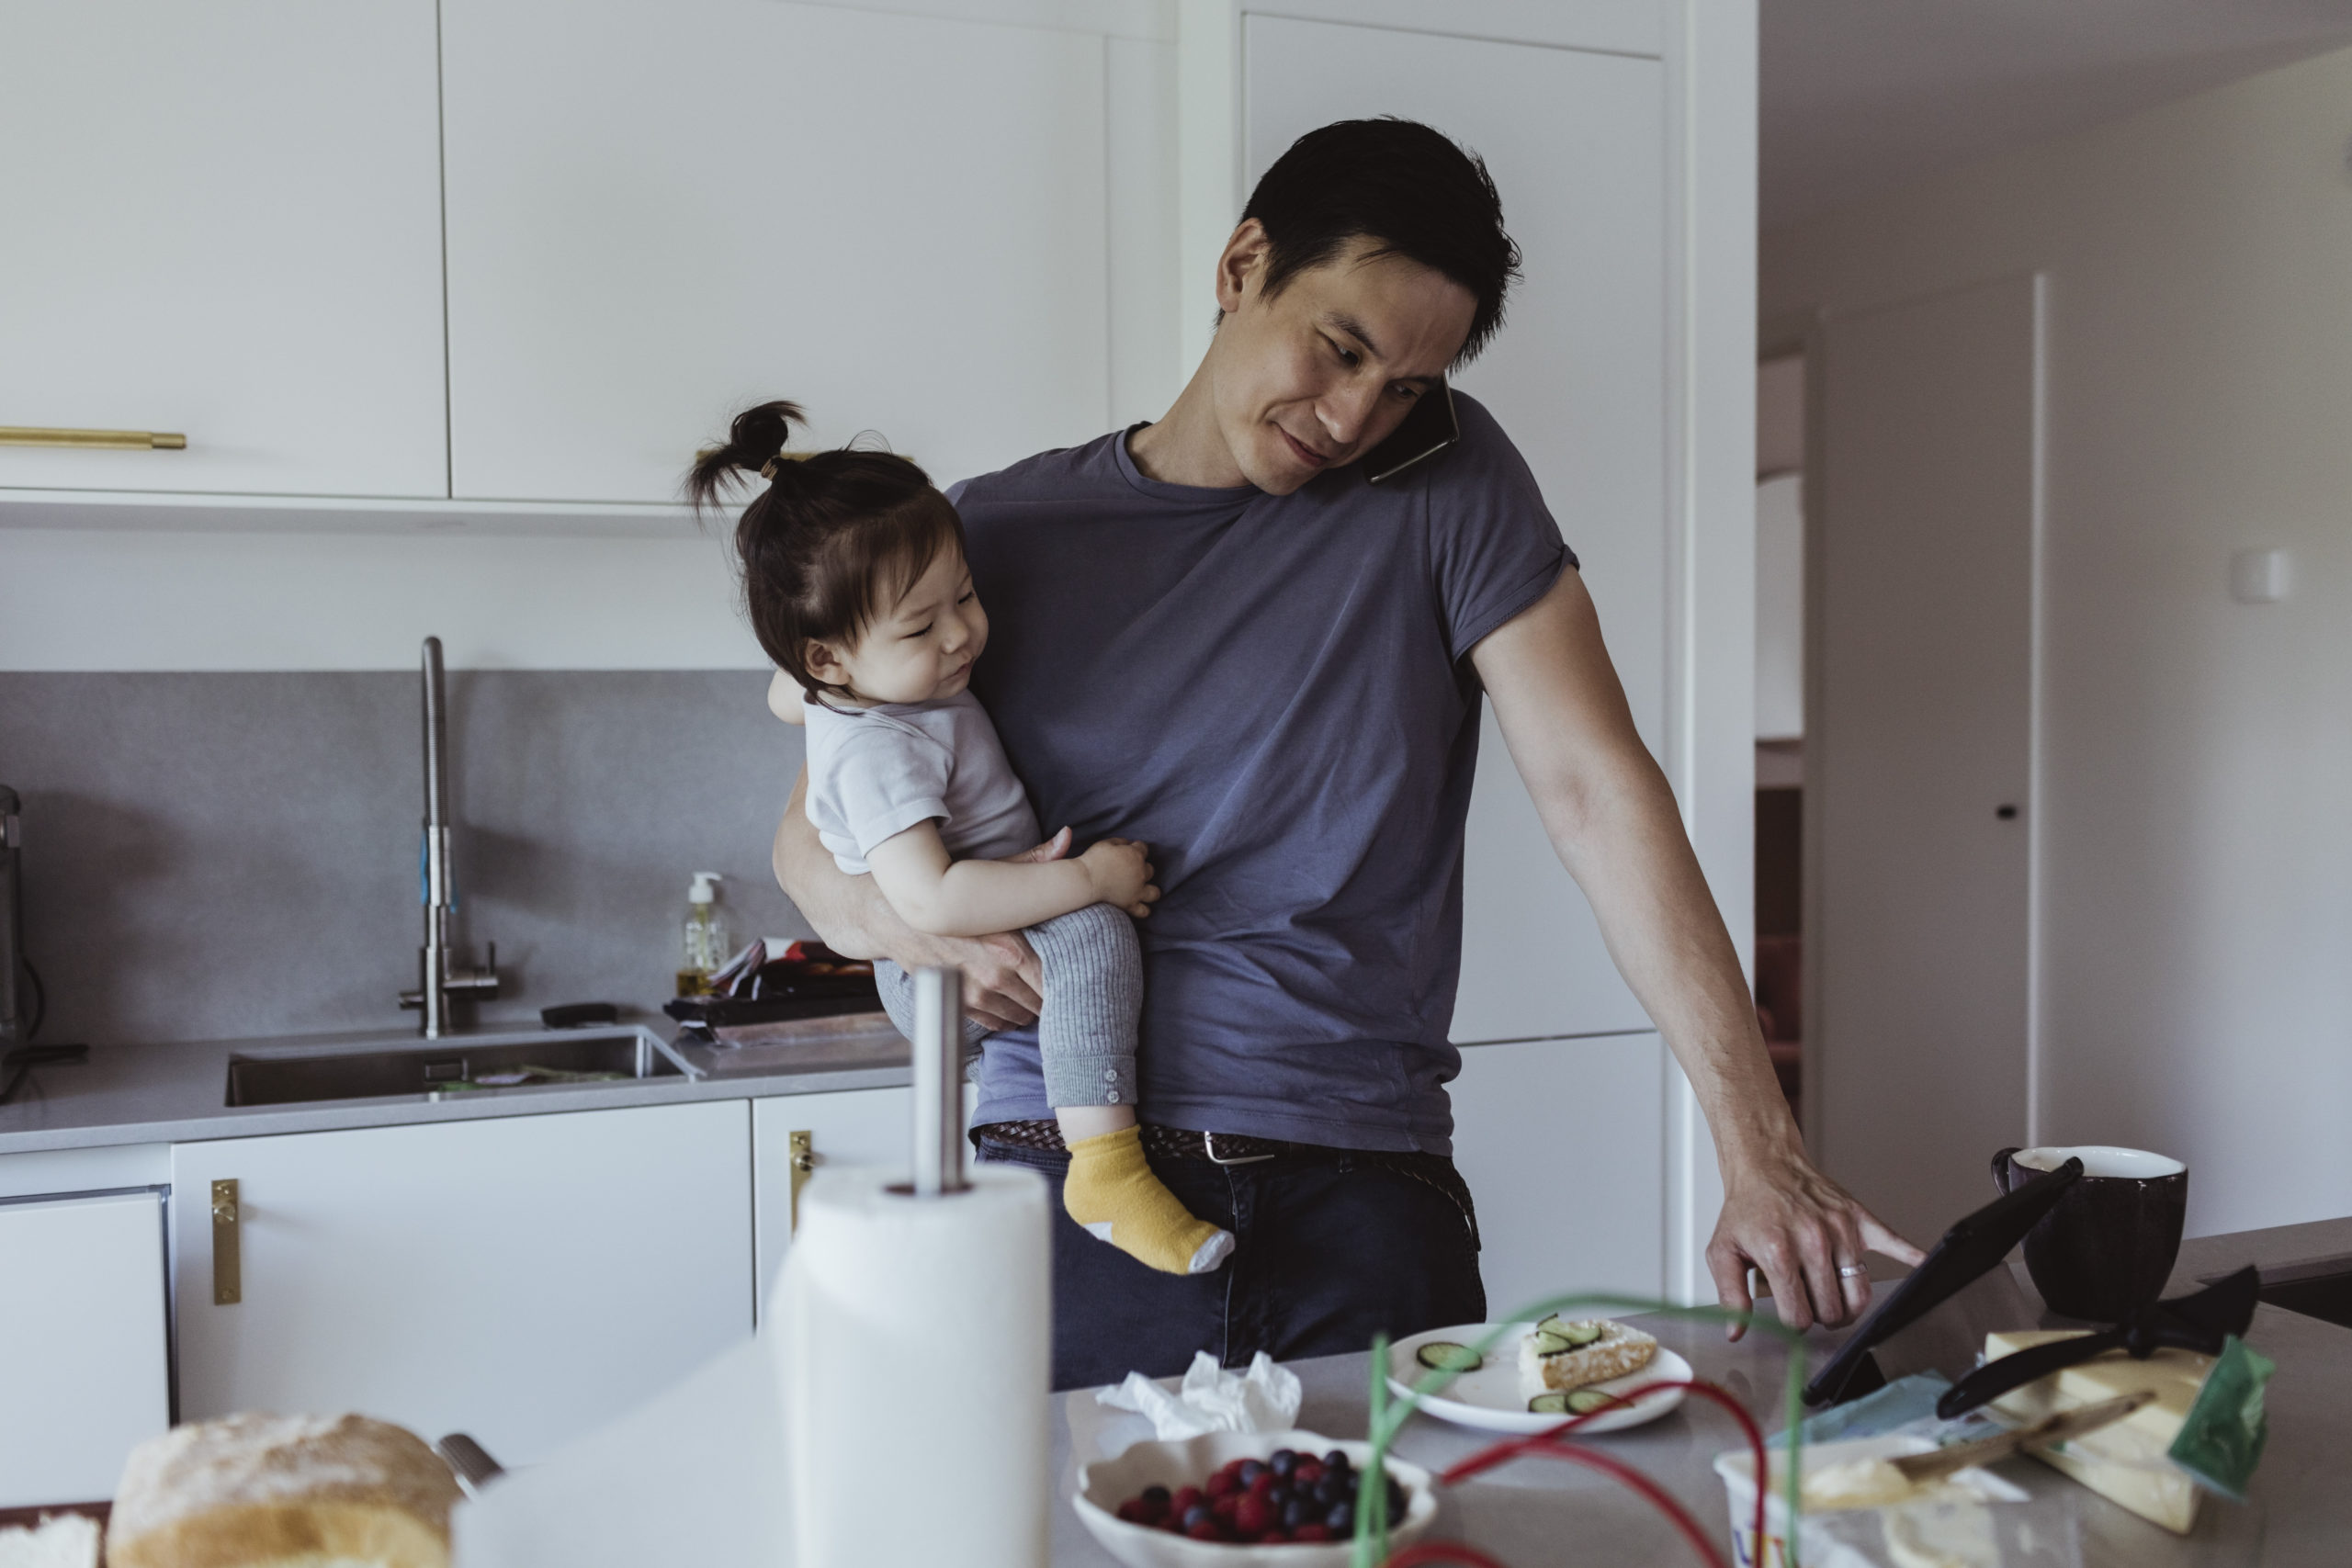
[922, 649]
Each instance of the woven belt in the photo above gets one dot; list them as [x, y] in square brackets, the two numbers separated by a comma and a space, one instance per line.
[1239, 1149]
[1168, 1142]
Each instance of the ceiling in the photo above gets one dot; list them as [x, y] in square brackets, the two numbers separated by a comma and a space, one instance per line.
[1864, 95]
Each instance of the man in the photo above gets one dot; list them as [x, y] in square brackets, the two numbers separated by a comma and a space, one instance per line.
[1213, 634]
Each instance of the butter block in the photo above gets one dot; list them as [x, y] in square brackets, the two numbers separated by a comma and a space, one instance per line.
[2125, 1462]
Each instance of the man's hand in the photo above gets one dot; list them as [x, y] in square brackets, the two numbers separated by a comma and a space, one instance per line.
[1782, 1216]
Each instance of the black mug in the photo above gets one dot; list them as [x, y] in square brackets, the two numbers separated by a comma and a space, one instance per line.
[2109, 1246]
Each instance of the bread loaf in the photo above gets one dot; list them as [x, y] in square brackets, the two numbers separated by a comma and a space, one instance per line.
[279, 1491]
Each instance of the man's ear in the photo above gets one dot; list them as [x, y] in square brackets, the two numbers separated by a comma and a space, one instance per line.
[1241, 265]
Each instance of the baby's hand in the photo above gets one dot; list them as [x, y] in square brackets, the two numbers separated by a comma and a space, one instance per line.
[1121, 870]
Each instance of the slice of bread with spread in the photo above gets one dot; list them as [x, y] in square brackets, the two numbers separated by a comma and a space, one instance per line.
[1562, 1354]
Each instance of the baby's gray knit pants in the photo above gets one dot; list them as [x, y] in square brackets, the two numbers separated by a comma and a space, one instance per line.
[1086, 1031]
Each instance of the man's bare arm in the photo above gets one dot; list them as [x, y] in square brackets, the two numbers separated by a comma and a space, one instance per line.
[1611, 815]
[1002, 979]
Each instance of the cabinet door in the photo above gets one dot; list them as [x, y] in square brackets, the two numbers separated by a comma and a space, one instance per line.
[1564, 1145]
[81, 1311]
[521, 1279]
[859, 1126]
[662, 210]
[1576, 141]
[224, 220]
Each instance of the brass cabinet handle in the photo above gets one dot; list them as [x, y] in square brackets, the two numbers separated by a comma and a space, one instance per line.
[109, 440]
[803, 1147]
[227, 1275]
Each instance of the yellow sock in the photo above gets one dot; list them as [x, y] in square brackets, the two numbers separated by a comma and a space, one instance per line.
[1111, 1191]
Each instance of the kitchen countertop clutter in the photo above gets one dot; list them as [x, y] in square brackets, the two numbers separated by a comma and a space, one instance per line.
[179, 1093]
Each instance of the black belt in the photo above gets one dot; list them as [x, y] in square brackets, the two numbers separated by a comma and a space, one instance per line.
[1240, 1149]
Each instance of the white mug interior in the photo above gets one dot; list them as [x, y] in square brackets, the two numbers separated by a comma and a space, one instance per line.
[2102, 1159]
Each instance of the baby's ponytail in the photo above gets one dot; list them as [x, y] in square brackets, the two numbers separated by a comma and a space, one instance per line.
[836, 538]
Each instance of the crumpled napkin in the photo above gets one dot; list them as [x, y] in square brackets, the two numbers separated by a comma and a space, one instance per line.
[1263, 1399]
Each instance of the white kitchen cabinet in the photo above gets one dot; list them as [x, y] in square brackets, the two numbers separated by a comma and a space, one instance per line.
[851, 1127]
[1563, 1143]
[659, 212]
[83, 1316]
[1576, 141]
[225, 221]
[522, 1279]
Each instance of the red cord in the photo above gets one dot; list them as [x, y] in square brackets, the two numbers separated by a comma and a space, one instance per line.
[1441, 1552]
[1675, 1512]
[1552, 1440]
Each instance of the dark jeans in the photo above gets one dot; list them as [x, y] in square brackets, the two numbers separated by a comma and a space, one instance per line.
[1328, 1250]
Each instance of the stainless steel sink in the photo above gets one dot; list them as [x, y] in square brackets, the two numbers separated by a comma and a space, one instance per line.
[521, 1062]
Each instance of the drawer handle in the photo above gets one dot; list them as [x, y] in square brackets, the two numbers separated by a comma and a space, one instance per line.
[803, 1147]
[107, 440]
[228, 1280]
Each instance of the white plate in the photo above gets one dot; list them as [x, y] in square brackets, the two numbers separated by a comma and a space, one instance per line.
[1490, 1398]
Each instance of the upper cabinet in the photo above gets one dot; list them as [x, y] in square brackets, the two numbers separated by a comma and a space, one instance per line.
[223, 221]
[662, 210]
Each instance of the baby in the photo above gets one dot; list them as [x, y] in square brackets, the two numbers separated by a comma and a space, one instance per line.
[853, 572]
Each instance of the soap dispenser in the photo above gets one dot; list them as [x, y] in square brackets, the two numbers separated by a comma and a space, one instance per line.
[706, 936]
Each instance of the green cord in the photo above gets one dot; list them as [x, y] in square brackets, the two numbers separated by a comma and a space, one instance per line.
[1371, 1539]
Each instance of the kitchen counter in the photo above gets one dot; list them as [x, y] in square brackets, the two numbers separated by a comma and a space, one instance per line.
[1542, 1511]
[692, 1477]
[177, 1093]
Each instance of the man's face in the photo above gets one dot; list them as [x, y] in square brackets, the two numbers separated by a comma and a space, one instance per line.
[1319, 373]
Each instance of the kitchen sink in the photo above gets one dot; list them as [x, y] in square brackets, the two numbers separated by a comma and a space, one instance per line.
[519, 1062]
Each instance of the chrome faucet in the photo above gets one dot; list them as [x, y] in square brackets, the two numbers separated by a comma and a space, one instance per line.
[439, 979]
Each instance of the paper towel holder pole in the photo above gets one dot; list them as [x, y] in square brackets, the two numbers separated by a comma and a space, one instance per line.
[939, 1082]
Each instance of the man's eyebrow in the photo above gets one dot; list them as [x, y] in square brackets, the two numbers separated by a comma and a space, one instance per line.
[1354, 329]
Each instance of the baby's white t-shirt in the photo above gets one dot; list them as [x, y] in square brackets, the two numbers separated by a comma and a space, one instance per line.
[875, 772]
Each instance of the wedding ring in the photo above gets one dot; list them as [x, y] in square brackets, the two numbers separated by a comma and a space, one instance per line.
[1848, 1271]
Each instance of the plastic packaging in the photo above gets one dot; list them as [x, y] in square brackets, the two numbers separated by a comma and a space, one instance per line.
[1975, 1520]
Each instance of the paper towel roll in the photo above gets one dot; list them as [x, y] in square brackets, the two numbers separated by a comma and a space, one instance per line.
[916, 1365]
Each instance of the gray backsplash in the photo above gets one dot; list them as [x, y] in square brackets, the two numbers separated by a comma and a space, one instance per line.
[214, 856]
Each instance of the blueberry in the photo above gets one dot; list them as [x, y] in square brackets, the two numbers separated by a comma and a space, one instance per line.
[1199, 1513]
[1336, 1461]
[1277, 1494]
[1281, 1461]
[1296, 1512]
[1251, 1470]
[1396, 1502]
[1331, 1490]
[1354, 1481]
[1156, 1496]
[1342, 1520]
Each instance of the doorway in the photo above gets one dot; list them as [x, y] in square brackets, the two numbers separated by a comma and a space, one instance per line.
[1920, 527]
[1779, 717]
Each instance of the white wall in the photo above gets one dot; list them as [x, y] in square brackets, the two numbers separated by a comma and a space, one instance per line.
[1779, 608]
[2196, 929]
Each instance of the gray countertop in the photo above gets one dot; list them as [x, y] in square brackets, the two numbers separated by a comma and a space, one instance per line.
[177, 1093]
[1537, 1511]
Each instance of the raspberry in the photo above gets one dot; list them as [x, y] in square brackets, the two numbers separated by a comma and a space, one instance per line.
[1221, 1485]
[1313, 1530]
[1251, 1517]
[1206, 1530]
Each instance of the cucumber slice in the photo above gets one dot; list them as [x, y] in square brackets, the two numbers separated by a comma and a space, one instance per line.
[1549, 1344]
[1445, 1356]
[1582, 1333]
[1584, 1401]
[1548, 1405]
[1555, 1324]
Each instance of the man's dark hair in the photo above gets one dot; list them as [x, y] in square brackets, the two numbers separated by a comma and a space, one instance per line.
[1409, 189]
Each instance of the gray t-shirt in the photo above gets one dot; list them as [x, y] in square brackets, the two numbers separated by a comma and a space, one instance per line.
[1274, 692]
[875, 772]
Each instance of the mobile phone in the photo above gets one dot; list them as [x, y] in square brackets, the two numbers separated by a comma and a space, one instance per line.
[1429, 430]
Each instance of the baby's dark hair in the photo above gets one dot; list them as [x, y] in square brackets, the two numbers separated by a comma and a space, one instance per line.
[836, 539]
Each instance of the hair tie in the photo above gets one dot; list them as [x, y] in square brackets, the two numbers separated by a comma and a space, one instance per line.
[768, 469]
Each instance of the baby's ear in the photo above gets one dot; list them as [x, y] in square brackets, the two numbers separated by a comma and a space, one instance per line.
[785, 699]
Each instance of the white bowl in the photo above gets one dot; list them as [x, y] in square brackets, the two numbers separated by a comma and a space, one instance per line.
[1106, 1484]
